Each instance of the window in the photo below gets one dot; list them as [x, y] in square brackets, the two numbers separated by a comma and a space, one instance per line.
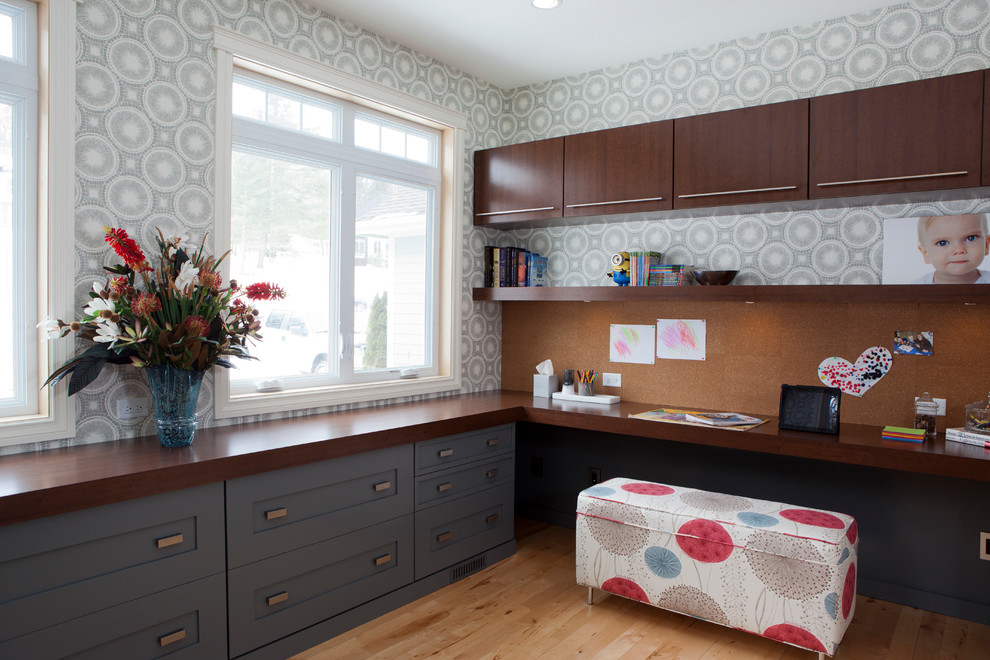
[35, 274]
[341, 191]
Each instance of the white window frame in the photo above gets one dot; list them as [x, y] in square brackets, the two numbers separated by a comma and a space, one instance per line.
[53, 415]
[235, 49]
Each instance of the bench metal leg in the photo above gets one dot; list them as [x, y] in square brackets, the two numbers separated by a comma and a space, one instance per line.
[591, 596]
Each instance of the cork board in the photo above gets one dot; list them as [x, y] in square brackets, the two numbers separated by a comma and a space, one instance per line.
[752, 349]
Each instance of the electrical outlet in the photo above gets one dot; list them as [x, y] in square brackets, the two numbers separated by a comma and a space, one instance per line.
[594, 476]
[612, 380]
[131, 408]
[940, 403]
[985, 546]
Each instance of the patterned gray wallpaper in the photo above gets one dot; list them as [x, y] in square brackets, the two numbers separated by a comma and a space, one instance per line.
[145, 128]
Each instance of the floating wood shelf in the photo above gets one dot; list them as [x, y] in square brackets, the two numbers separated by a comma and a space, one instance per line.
[837, 293]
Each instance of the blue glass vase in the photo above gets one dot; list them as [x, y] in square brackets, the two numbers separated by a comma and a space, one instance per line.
[174, 392]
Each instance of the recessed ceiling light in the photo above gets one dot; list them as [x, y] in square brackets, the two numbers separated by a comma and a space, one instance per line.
[546, 4]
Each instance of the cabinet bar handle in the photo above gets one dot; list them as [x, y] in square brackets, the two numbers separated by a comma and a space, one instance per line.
[444, 487]
[541, 208]
[492, 519]
[617, 201]
[491, 474]
[444, 537]
[172, 637]
[492, 442]
[384, 559]
[166, 541]
[280, 512]
[385, 485]
[892, 178]
[446, 453]
[280, 597]
[738, 192]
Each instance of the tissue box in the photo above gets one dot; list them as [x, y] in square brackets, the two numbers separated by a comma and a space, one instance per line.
[544, 385]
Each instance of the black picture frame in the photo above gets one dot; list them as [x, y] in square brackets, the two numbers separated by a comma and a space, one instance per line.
[809, 408]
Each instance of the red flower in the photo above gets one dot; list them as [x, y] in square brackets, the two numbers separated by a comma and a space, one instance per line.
[145, 304]
[264, 291]
[195, 326]
[126, 248]
[118, 284]
[210, 280]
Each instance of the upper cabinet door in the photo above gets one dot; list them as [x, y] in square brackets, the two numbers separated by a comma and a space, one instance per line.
[924, 135]
[519, 183]
[619, 170]
[745, 156]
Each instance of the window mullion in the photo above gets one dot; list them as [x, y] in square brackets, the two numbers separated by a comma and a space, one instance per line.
[344, 275]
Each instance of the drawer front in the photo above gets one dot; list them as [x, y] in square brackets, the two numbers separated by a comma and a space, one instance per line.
[454, 531]
[463, 448]
[275, 512]
[281, 595]
[437, 487]
[62, 567]
[184, 622]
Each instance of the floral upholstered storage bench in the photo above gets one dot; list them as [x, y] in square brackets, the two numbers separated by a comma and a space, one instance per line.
[784, 572]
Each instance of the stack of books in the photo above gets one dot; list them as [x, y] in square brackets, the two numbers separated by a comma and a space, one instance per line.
[722, 419]
[968, 437]
[512, 266]
[641, 264]
[902, 434]
[671, 274]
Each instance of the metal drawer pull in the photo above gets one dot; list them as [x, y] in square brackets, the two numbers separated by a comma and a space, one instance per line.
[892, 178]
[172, 637]
[166, 541]
[446, 453]
[738, 192]
[541, 208]
[442, 488]
[280, 512]
[491, 474]
[492, 519]
[384, 559]
[280, 597]
[441, 538]
[385, 485]
[617, 201]
[492, 442]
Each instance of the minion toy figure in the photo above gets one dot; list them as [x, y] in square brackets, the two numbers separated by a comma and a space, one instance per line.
[620, 269]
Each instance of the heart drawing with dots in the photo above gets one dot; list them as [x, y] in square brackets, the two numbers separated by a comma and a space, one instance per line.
[857, 378]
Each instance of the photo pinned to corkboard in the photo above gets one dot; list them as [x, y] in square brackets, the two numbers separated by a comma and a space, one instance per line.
[914, 342]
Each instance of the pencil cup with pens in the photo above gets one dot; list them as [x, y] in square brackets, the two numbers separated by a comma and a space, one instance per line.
[586, 382]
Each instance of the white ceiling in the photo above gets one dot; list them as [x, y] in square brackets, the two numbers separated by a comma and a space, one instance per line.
[510, 43]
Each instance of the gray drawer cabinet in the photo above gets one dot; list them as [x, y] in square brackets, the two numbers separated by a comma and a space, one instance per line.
[457, 530]
[185, 622]
[453, 450]
[278, 596]
[64, 567]
[437, 487]
[275, 512]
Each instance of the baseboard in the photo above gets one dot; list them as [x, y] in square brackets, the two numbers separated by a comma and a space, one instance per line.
[924, 600]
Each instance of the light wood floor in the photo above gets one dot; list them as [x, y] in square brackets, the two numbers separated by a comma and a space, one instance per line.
[529, 606]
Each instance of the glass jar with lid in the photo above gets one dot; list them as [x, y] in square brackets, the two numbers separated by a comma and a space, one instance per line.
[978, 416]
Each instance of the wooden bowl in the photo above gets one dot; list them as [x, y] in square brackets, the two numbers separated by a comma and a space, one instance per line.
[714, 277]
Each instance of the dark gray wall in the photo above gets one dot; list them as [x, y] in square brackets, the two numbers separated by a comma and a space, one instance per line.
[919, 534]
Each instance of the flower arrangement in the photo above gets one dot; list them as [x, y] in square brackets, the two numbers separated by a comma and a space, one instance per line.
[177, 313]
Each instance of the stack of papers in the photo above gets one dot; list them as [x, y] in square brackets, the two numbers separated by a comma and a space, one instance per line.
[721, 419]
[902, 434]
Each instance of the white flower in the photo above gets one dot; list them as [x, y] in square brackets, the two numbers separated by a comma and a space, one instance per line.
[97, 288]
[50, 326]
[173, 242]
[97, 305]
[187, 275]
[106, 332]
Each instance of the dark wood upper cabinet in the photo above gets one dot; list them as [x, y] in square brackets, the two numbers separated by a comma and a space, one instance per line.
[744, 156]
[519, 183]
[986, 129]
[619, 170]
[924, 135]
